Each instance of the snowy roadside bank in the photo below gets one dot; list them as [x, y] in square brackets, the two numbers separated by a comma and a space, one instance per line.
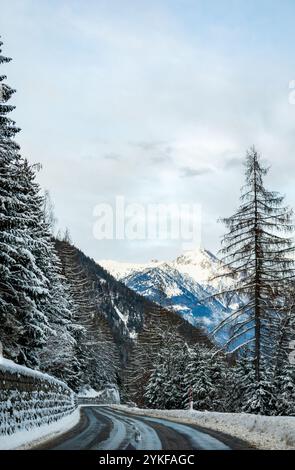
[264, 432]
[26, 439]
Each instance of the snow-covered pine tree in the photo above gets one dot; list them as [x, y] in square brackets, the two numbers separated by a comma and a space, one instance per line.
[166, 386]
[206, 379]
[237, 375]
[33, 298]
[22, 285]
[284, 368]
[218, 368]
[285, 390]
[155, 388]
[256, 252]
[245, 394]
[177, 361]
[9, 218]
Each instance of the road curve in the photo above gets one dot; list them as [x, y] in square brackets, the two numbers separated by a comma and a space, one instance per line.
[102, 428]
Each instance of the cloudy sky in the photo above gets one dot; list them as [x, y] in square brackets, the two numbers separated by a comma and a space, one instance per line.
[154, 100]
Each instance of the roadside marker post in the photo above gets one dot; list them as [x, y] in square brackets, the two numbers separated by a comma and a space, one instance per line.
[191, 400]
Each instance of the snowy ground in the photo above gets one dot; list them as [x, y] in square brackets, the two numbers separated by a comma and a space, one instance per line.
[26, 438]
[264, 432]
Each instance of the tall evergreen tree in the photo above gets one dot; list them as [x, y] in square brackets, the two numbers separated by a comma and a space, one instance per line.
[284, 368]
[256, 253]
[34, 301]
[22, 283]
[166, 386]
[205, 380]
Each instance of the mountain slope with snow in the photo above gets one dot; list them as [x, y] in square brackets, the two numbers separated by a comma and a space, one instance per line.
[185, 285]
[120, 270]
[120, 313]
[174, 290]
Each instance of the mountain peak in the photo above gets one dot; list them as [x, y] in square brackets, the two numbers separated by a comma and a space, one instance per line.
[184, 284]
[200, 264]
[196, 256]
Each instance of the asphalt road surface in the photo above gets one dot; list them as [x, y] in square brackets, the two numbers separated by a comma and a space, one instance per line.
[102, 428]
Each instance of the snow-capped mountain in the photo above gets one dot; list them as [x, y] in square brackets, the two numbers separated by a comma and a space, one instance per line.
[120, 270]
[184, 285]
[111, 309]
[172, 289]
[199, 264]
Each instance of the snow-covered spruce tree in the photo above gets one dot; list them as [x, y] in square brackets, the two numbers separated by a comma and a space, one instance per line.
[180, 370]
[155, 393]
[285, 390]
[33, 299]
[206, 378]
[198, 384]
[245, 394]
[284, 368]
[237, 375]
[175, 386]
[256, 251]
[166, 386]
[9, 218]
[22, 285]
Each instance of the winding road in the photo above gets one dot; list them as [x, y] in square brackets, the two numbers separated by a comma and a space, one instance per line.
[103, 428]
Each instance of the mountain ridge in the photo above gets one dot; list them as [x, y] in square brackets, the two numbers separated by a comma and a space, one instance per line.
[126, 311]
[185, 285]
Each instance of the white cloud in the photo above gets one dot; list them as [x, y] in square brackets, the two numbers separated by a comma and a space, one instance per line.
[117, 100]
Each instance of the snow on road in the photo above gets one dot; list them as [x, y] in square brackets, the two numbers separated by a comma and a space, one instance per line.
[263, 432]
[106, 428]
[198, 439]
[87, 437]
[128, 431]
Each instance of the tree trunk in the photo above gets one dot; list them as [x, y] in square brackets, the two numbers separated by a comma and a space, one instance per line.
[257, 312]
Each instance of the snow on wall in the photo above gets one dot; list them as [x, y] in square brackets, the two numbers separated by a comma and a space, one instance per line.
[9, 366]
[30, 399]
